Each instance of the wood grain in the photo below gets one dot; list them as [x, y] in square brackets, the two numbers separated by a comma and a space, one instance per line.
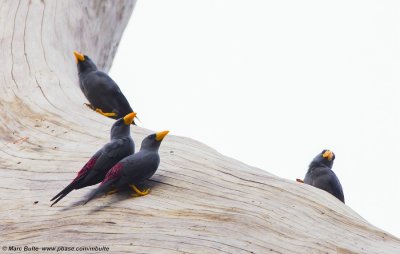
[201, 201]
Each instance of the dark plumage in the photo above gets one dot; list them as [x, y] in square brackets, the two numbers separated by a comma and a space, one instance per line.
[102, 92]
[320, 174]
[94, 171]
[135, 168]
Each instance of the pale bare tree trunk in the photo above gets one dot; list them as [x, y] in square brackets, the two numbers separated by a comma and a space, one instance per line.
[201, 201]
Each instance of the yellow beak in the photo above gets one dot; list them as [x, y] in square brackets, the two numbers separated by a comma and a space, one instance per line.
[128, 119]
[328, 154]
[161, 135]
[79, 57]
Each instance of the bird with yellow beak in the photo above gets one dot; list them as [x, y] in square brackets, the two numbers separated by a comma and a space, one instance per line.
[94, 171]
[134, 169]
[103, 94]
[320, 175]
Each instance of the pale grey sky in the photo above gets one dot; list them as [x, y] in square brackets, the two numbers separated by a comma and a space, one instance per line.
[273, 83]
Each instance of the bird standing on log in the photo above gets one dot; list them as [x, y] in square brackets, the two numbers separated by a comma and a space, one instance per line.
[120, 146]
[103, 94]
[134, 169]
[320, 175]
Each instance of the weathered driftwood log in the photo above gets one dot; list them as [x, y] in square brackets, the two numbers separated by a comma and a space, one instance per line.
[201, 201]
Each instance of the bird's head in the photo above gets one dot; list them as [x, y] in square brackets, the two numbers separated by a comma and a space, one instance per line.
[121, 127]
[84, 63]
[325, 158]
[153, 141]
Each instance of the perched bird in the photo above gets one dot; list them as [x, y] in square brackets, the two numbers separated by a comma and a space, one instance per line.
[94, 171]
[320, 175]
[102, 92]
[134, 169]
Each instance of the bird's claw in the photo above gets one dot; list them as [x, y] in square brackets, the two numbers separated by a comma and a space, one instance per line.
[89, 106]
[105, 114]
[138, 192]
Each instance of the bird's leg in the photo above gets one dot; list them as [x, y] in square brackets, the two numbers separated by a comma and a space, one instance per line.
[138, 192]
[105, 114]
[299, 180]
[112, 191]
[98, 110]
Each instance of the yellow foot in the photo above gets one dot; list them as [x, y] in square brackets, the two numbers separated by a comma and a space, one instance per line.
[299, 180]
[105, 114]
[138, 192]
[112, 192]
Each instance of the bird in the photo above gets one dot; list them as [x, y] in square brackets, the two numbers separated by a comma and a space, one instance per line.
[134, 169]
[320, 175]
[93, 172]
[103, 94]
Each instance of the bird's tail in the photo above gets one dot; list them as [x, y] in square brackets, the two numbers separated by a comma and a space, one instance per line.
[101, 189]
[70, 187]
[60, 197]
